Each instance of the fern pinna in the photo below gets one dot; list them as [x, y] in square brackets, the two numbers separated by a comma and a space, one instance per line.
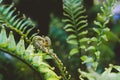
[35, 60]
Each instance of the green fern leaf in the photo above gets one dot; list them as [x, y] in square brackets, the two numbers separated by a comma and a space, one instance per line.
[84, 40]
[90, 48]
[11, 40]
[20, 48]
[97, 30]
[72, 36]
[83, 26]
[3, 37]
[7, 9]
[104, 37]
[73, 41]
[74, 51]
[83, 33]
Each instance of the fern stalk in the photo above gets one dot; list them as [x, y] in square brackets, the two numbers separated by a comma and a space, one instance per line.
[58, 62]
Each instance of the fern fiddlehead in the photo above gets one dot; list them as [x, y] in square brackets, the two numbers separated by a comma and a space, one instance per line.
[44, 43]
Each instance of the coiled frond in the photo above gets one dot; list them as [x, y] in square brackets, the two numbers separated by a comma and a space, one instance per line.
[44, 43]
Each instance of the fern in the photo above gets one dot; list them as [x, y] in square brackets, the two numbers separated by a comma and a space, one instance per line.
[76, 23]
[106, 75]
[101, 29]
[21, 25]
[103, 19]
[94, 43]
[101, 22]
[35, 61]
[39, 44]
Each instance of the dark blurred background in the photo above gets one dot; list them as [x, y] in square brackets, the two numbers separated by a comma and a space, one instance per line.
[39, 11]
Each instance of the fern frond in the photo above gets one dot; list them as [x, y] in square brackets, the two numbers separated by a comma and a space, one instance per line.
[101, 22]
[35, 61]
[101, 29]
[76, 23]
[20, 25]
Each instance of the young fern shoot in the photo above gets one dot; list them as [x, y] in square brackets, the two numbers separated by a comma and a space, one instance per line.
[44, 43]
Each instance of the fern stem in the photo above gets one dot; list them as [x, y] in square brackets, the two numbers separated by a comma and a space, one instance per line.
[59, 64]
